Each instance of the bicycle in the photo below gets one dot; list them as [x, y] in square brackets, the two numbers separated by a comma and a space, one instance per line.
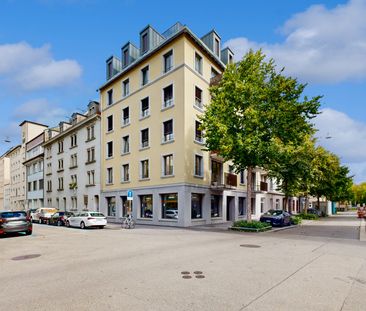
[128, 222]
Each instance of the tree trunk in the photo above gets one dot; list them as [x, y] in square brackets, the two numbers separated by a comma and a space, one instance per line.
[249, 193]
[306, 203]
[318, 203]
[285, 203]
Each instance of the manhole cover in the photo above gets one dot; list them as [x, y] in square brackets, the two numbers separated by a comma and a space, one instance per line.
[185, 272]
[186, 277]
[25, 257]
[200, 276]
[198, 272]
[250, 245]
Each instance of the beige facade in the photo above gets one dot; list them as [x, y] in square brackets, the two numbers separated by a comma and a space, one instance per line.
[172, 179]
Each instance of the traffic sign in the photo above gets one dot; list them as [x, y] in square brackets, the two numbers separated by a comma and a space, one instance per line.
[129, 195]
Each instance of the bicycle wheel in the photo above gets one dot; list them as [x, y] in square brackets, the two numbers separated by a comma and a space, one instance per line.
[132, 224]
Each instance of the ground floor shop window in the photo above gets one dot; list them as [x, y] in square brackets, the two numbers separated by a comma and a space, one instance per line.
[146, 205]
[242, 207]
[111, 204]
[216, 205]
[196, 206]
[169, 206]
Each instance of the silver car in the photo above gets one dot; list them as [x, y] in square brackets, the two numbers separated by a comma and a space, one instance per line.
[15, 221]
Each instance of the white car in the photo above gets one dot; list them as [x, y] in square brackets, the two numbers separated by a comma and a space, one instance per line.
[42, 214]
[171, 213]
[87, 219]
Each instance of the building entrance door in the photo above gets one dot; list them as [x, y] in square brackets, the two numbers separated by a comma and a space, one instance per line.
[230, 208]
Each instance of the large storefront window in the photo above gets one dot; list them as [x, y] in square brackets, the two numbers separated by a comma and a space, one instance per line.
[216, 205]
[169, 206]
[242, 206]
[146, 205]
[196, 206]
[111, 203]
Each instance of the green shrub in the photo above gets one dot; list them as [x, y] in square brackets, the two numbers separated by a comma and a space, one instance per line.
[255, 224]
[296, 220]
[309, 216]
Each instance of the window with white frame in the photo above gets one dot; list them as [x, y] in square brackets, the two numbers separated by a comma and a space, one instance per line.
[110, 123]
[110, 149]
[217, 47]
[60, 183]
[198, 63]
[198, 98]
[61, 164]
[144, 43]
[125, 144]
[110, 97]
[145, 138]
[214, 72]
[168, 165]
[90, 132]
[168, 100]
[73, 139]
[198, 132]
[125, 172]
[61, 146]
[126, 87]
[168, 61]
[109, 175]
[144, 167]
[91, 178]
[198, 165]
[168, 134]
[73, 160]
[145, 111]
[126, 116]
[91, 155]
[145, 75]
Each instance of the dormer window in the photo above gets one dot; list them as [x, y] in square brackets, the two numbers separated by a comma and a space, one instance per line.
[144, 43]
[110, 70]
[217, 47]
[125, 58]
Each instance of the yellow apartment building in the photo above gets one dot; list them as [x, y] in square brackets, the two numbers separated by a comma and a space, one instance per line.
[152, 147]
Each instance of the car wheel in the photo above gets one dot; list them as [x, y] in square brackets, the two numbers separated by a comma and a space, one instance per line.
[67, 224]
[40, 221]
[59, 223]
[101, 227]
[82, 225]
[28, 232]
[47, 221]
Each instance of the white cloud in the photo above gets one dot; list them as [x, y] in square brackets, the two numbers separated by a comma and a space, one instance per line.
[40, 110]
[321, 45]
[34, 68]
[345, 137]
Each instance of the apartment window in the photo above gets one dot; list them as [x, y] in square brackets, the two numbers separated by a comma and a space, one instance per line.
[242, 177]
[214, 73]
[169, 206]
[111, 206]
[49, 186]
[110, 149]
[168, 165]
[168, 96]
[126, 144]
[198, 63]
[73, 139]
[198, 165]
[144, 169]
[262, 205]
[144, 43]
[217, 47]
[168, 131]
[145, 107]
[109, 175]
[196, 206]
[60, 164]
[60, 183]
[145, 75]
[126, 87]
[73, 160]
[198, 132]
[231, 60]
[110, 69]
[168, 61]
[91, 155]
[61, 146]
[29, 186]
[216, 205]
[41, 184]
[74, 181]
[125, 58]
[126, 116]
[110, 123]
[110, 97]
[91, 176]
[90, 132]
[198, 97]
[145, 138]
[231, 169]
[146, 206]
[242, 205]
[125, 172]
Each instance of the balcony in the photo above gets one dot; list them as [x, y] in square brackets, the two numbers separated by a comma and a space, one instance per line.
[262, 186]
[230, 181]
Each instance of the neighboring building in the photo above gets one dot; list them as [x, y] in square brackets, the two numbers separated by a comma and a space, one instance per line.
[4, 181]
[151, 139]
[72, 162]
[34, 172]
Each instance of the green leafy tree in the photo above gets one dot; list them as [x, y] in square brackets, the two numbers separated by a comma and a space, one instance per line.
[359, 193]
[254, 109]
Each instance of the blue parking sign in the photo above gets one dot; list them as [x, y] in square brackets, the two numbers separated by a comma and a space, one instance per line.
[129, 195]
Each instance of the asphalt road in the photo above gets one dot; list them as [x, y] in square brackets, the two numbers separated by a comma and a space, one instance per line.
[141, 269]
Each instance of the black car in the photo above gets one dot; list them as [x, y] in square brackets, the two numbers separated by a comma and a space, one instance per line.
[59, 218]
[276, 218]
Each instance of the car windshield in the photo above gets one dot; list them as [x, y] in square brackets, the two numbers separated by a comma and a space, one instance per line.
[13, 214]
[97, 215]
[274, 213]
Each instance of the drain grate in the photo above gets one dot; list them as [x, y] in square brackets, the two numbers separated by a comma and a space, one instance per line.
[25, 257]
[197, 274]
[186, 277]
[200, 276]
[250, 245]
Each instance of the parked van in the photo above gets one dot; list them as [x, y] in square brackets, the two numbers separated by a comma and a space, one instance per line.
[43, 214]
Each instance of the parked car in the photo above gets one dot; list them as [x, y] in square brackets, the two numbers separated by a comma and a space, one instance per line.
[15, 221]
[43, 214]
[87, 219]
[361, 212]
[314, 211]
[31, 212]
[171, 213]
[59, 218]
[276, 218]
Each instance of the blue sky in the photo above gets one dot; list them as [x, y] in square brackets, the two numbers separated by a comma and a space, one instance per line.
[53, 52]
